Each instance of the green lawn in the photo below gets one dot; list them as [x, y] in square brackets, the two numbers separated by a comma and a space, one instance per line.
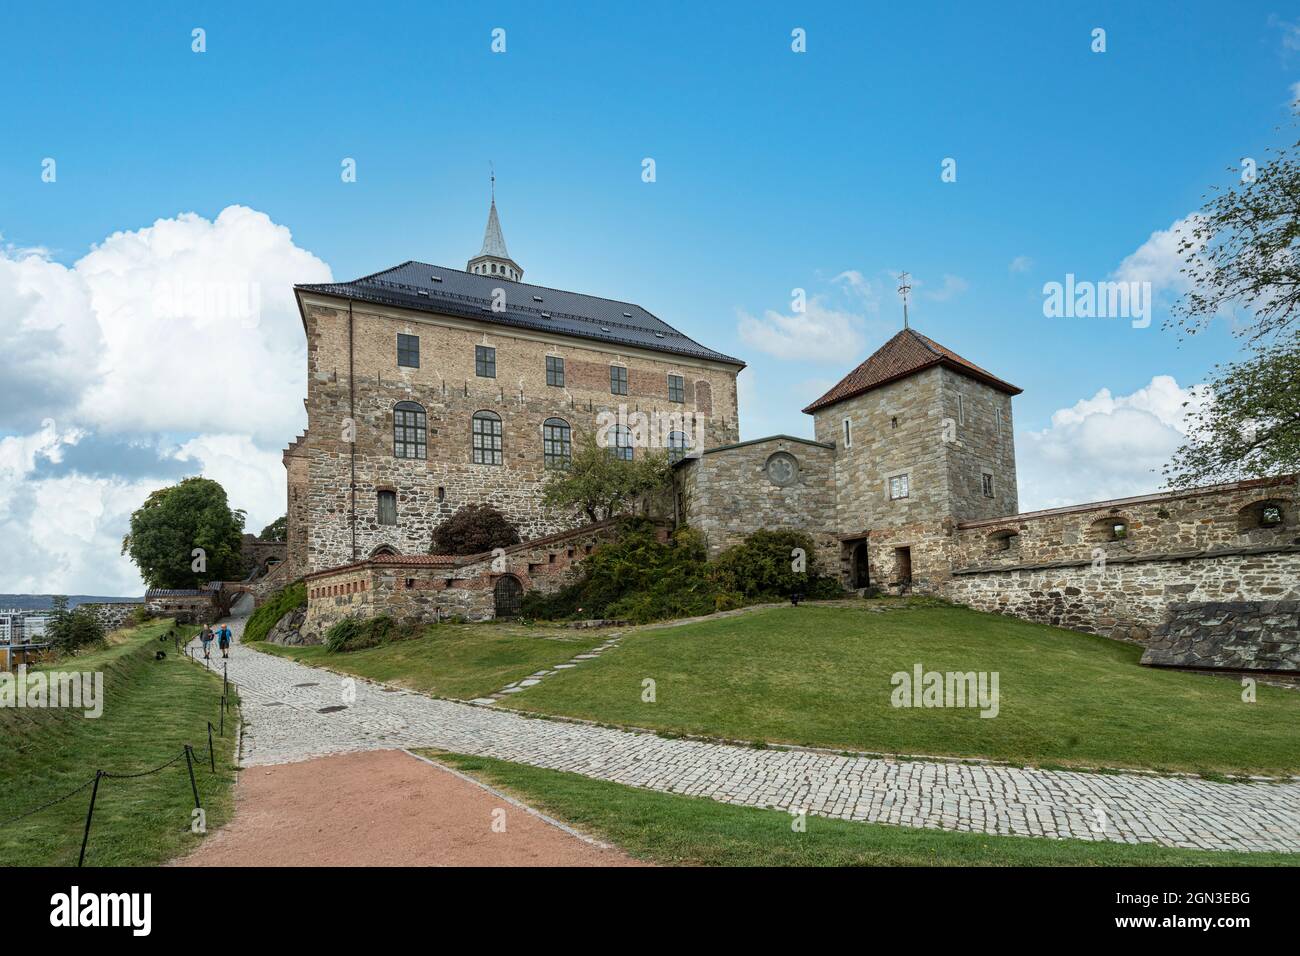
[151, 709]
[821, 676]
[694, 831]
[455, 660]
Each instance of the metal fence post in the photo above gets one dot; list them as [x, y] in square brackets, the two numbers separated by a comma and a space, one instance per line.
[211, 756]
[94, 792]
[189, 762]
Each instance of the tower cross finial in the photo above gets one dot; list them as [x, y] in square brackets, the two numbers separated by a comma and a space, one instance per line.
[904, 289]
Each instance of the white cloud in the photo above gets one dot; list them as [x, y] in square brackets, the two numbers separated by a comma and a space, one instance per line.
[1021, 264]
[1295, 96]
[820, 333]
[952, 287]
[1106, 446]
[1158, 260]
[188, 327]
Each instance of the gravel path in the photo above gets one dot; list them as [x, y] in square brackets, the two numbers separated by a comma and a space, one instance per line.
[295, 712]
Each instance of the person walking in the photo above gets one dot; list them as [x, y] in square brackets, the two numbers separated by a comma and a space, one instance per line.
[223, 640]
[206, 636]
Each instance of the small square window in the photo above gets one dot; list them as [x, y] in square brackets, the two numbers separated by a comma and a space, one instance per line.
[898, 487]
[485, 361]
[617, 380]
[408, 350]
[676, 388]
[388, 507]
[555, 371]
[987, 481]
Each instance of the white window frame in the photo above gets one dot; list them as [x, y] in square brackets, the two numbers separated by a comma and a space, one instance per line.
[905, 478]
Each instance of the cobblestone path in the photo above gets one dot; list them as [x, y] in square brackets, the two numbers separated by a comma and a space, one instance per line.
[295, 712]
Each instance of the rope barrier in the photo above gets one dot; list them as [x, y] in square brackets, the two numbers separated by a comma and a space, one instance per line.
[28, 813]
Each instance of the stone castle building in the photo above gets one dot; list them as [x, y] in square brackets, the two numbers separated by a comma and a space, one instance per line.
[429, 388]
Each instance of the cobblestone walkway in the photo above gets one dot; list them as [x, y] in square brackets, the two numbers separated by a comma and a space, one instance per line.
[295, 712]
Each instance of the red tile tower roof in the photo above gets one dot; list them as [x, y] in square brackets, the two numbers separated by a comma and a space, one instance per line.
[905, 354]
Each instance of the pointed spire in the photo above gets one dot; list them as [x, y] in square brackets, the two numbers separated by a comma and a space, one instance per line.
[493, 259]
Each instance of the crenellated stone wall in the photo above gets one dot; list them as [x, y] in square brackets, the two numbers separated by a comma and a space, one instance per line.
[436, 587]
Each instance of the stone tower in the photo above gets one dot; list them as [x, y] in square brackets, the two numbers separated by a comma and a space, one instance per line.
[923, 441]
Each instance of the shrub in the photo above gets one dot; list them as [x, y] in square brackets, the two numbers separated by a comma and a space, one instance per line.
[141, 615]
[636, 578]
[762, 567]
[472, 530]
[276, 606]
[353, 634]
[70, 631]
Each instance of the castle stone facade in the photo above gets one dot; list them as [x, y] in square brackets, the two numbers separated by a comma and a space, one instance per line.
[431, 388]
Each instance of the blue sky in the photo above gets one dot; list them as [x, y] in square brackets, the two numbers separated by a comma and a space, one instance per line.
[774, 170]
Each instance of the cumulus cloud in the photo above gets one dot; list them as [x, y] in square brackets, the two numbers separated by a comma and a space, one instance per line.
[166, 351]
[1158, 260]
[1106, 446]
[820, 333]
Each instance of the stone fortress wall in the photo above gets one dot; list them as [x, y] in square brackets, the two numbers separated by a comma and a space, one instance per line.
[1132, 568]
[449, 390]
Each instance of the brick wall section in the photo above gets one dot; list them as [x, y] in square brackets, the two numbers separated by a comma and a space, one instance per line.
[430, 588]
[727, 494]
[447, 387]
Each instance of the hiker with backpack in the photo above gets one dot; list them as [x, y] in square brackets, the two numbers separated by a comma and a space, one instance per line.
[223, 640]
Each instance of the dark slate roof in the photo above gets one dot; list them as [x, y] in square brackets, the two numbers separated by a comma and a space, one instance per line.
[905, 354]
[430, 288]
[173, 592]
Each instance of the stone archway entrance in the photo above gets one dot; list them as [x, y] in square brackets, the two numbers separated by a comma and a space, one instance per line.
[508, 594]
[861, 570]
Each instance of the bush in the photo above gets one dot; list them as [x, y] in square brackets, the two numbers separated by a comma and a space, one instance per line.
[640, 579]
[70, 631]
[352, 634]
[276, 606]
[472, 530]
[141, 615]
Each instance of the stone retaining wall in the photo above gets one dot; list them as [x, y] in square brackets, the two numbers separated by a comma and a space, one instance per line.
[111, 616]
[1235, 635]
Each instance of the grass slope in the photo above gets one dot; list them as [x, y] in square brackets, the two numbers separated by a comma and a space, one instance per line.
[694, 831]
[821, 676]
[454, 660]
[151, 709]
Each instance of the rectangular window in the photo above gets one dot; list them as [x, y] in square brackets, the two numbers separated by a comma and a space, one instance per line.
[898, 487]
[388, 507]
[998, 415]
[410, 431]
[487, 439]
[676, 388]
[617, 380]
[848, 433]
[485, 361]
[556, 448]
[555, 371]
[408, 350]
[961, 410]
[987, 481]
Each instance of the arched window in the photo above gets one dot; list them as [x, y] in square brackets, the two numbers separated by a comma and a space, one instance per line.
[487, 438]
[410, 431]
[556, 450]
[678, 446]
[384, 551]
[1261, 514]
[620, 442]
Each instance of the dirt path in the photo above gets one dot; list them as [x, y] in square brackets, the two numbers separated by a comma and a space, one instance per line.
[385, 808]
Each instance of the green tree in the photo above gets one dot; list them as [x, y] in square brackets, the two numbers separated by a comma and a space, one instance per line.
[277, 530]
[174, 523]
[1242, 258]
[602, 485]
[69, 630]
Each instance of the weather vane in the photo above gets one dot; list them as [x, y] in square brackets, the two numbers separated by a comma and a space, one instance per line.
[904, 288]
